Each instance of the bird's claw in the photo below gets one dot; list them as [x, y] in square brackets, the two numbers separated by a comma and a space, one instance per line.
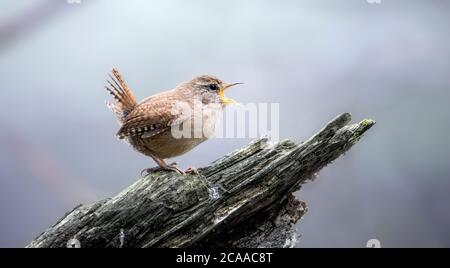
[147, 171]
[170, 167]
[192, 170]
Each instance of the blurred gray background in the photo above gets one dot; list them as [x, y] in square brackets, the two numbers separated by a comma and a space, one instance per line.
[387, 61]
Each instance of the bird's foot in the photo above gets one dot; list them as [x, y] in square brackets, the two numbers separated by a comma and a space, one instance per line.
[192, 170]
[173, 167]
[170, 167]
[147, 171]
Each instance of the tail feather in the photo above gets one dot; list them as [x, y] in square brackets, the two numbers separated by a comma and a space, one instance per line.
[125, 100]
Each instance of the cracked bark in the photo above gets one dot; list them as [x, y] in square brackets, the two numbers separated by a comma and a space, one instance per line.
[244, 199]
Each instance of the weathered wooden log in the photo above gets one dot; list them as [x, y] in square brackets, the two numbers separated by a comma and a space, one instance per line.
[243, 199]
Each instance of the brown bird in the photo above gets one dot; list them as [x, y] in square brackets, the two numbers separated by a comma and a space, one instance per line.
[153, 126]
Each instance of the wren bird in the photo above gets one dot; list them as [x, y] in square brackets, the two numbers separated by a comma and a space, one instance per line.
[148, 125]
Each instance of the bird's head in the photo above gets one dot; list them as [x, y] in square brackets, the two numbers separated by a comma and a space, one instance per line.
[211, 88]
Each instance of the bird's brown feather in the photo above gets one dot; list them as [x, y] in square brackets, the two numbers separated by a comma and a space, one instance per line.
[125, 100]
[152, 116]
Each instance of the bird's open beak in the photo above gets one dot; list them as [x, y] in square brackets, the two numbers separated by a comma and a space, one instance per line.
[224, 99]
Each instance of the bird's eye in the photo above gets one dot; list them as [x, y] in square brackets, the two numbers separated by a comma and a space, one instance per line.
[213, 87]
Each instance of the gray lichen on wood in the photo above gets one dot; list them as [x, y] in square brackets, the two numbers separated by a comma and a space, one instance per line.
[244, 199]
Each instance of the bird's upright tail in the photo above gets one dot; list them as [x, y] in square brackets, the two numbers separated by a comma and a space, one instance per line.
[125, 100]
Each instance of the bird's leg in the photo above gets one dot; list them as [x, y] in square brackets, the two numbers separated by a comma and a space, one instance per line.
[162, 165]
